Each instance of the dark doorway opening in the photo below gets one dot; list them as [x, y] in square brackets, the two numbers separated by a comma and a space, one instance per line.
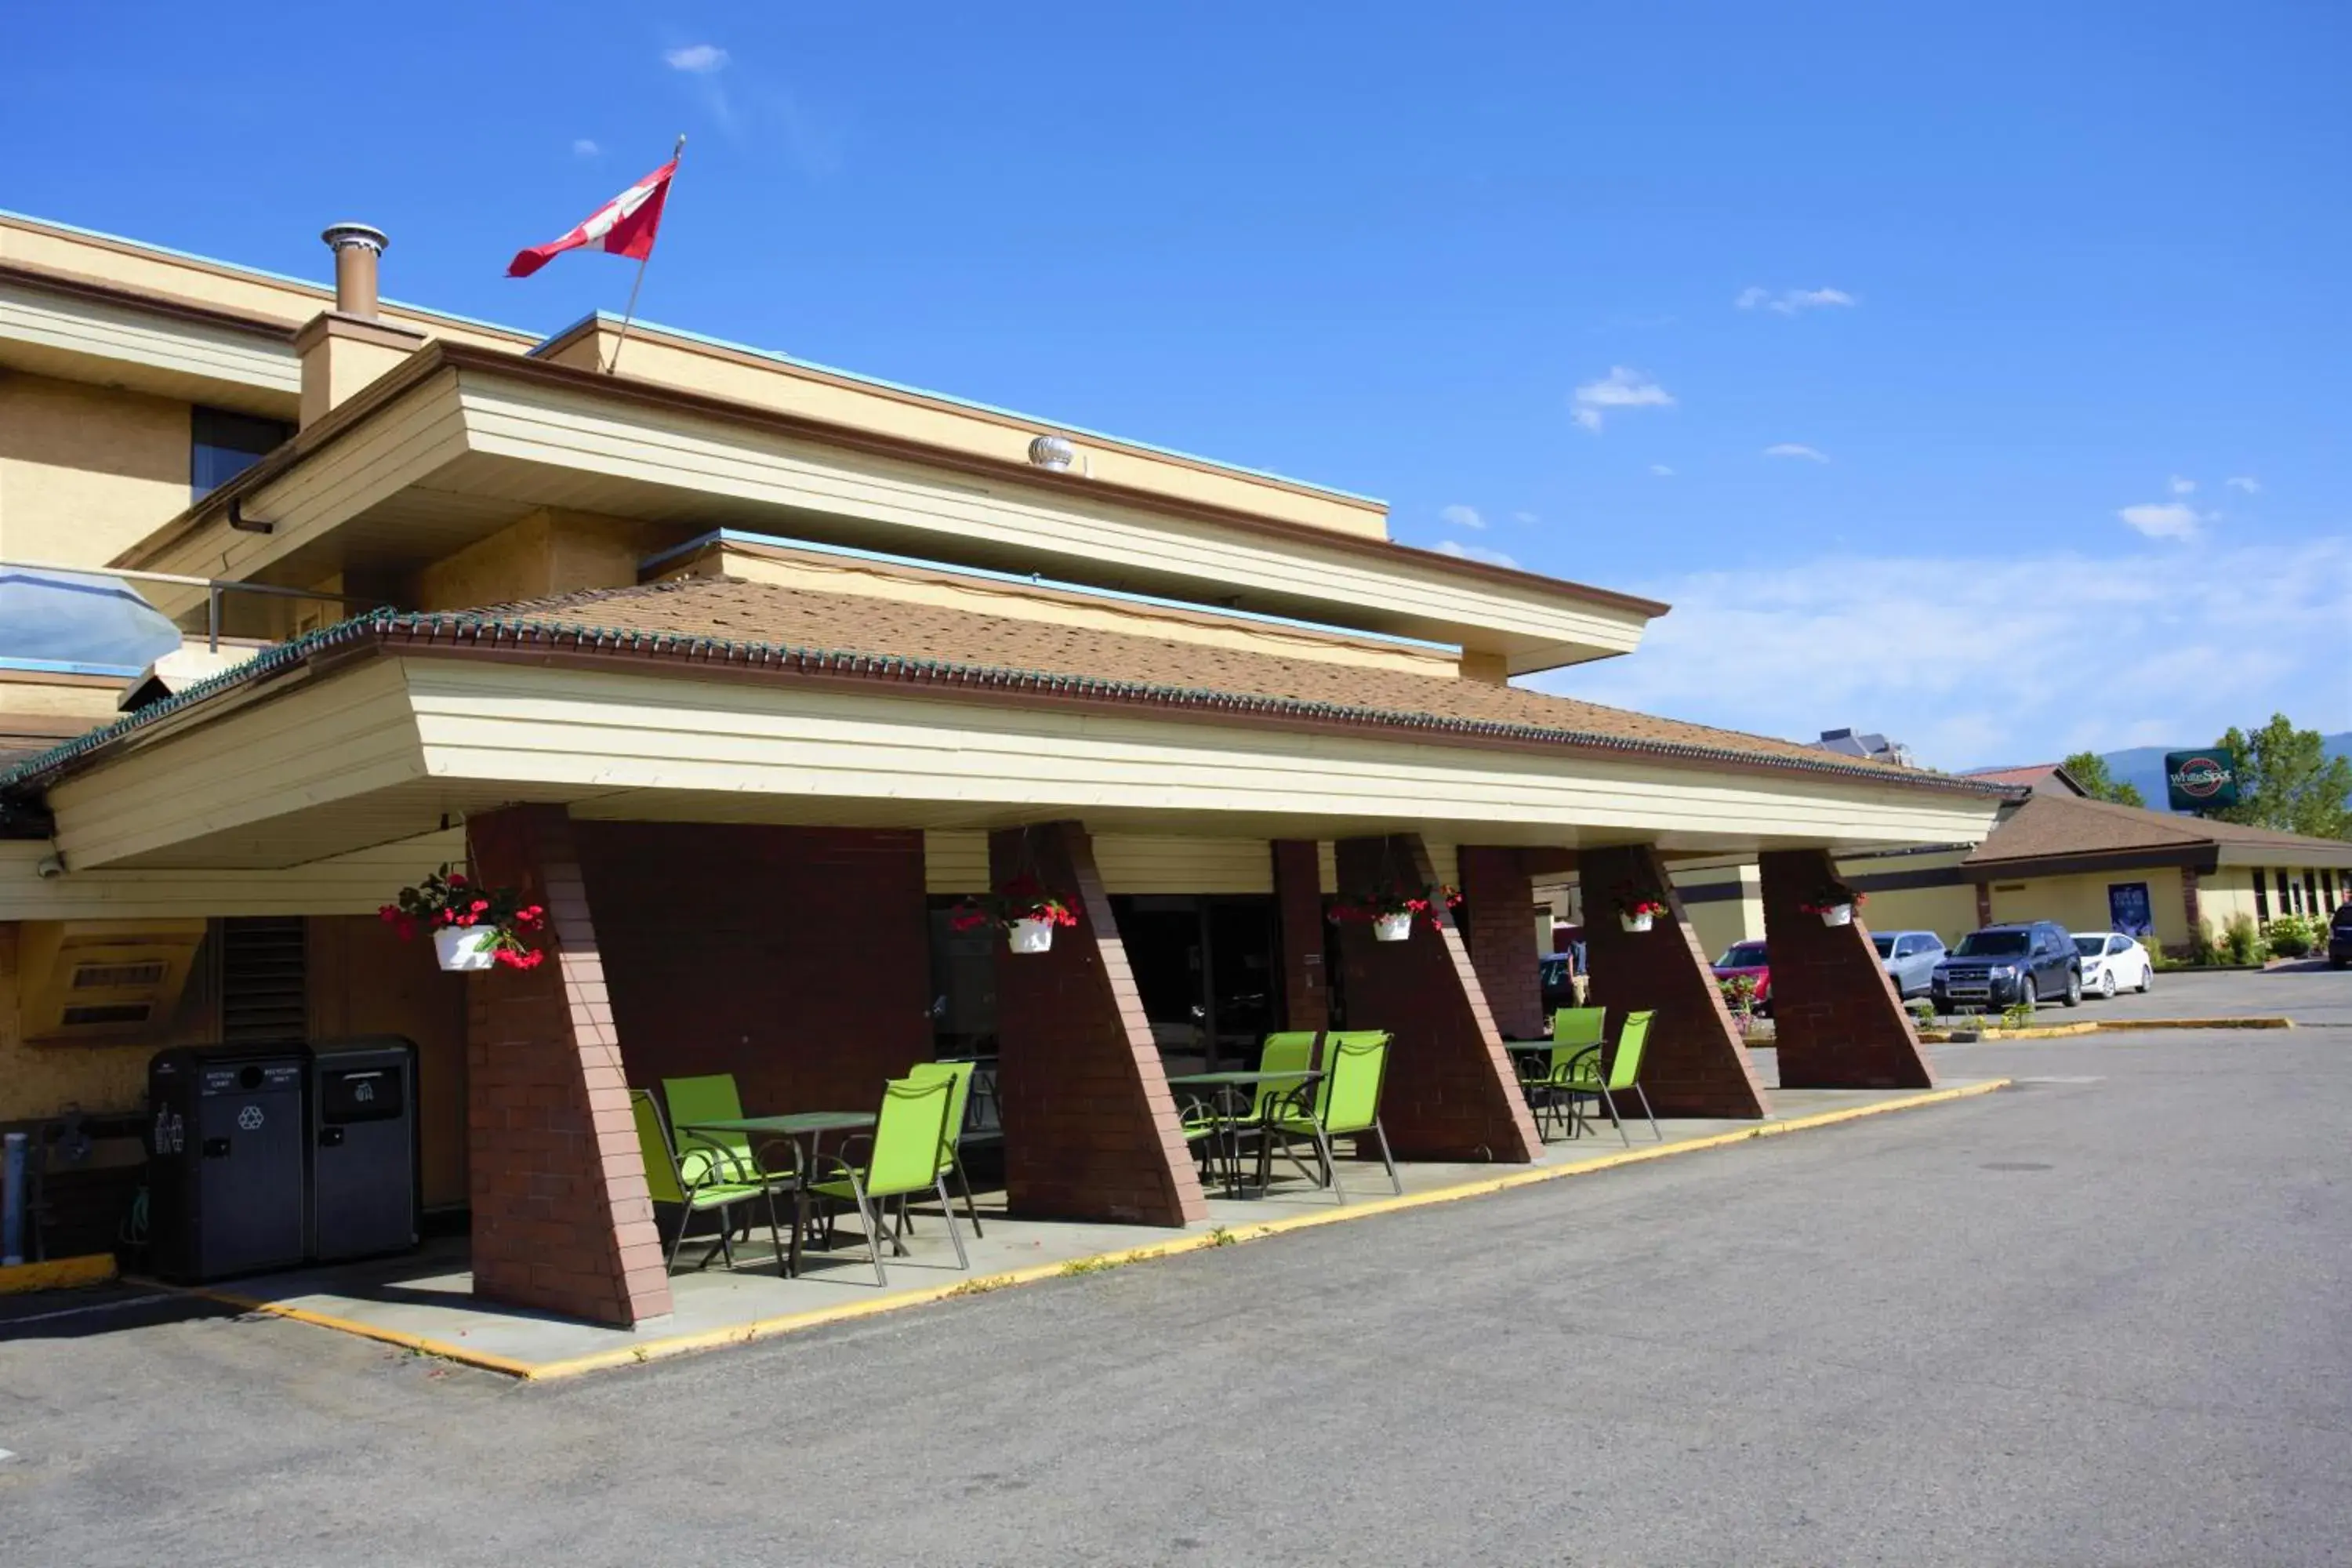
[1205, 967]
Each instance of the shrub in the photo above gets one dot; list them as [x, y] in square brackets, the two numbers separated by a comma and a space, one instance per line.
[2291, 936]
[1923, 1012]
[2202, 948]
[2241, 943]
[2017, 1016]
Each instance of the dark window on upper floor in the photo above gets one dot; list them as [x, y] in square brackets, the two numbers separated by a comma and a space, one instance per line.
[224, 444]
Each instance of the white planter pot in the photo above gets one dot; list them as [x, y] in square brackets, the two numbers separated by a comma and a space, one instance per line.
[1636, 922]
[1838, 915]
[465, 947]
[1031, 936]
[1391, 928]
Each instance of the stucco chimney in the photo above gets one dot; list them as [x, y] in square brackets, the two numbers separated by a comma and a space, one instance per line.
[344, 348]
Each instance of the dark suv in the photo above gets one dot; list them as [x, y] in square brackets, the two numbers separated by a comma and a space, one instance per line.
[2004, 964]
[2339, 939]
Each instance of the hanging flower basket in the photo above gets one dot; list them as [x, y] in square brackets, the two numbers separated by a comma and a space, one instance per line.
[1638, 912]
[1394, 911]
[1022, 908]
[1836, 904]
[472, 926]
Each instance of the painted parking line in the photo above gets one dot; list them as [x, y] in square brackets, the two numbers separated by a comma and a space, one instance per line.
[158, 1299]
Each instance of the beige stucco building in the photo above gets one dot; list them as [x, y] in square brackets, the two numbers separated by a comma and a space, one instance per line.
[749, 666]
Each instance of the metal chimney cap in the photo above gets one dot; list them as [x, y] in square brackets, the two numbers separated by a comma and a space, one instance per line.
[1052, 452]
[338, 235]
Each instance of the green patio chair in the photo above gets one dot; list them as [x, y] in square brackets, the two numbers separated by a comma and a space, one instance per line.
[712, 1098]
[957, 1073]
[1583, 1078]
[694, 1183]
[903, 1159]
[1574, 1030]
[1345, 1102]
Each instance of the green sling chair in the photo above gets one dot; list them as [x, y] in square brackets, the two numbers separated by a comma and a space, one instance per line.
[903, 1159]
[1583, 1078]
[712, 1098]
[957, 1073]
[1345, 1102]
[696, 1183]
[1574, 1031]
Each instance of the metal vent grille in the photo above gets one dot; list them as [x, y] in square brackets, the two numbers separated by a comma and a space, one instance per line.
[117, 976]
[114, 1013]
[264, 997]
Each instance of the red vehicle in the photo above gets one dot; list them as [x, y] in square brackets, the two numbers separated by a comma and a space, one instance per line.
[1748, 958]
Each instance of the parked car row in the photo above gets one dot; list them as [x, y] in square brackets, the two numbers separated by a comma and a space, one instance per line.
[2027, 962]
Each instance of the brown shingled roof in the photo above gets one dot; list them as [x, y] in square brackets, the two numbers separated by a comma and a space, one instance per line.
[775, 614]
[2049, 827]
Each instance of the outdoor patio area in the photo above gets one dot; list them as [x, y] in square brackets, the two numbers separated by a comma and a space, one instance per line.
[424, 1299]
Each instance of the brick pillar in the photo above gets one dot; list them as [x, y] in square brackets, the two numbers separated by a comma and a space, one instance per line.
[561, 1219]
[2190, 910]
[1500, 895]
[1984, 903]
[1694, 1063]
[1090, 1128]
[1451, 1093]
[1835, 1014]
[1298, 912]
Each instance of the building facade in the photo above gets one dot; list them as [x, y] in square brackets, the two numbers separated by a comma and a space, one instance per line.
[746, 670]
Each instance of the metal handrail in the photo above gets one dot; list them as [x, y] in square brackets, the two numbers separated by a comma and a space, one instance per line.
[214, 588]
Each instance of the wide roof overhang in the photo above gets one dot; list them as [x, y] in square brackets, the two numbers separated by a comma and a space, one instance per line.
[461, 443]
[366, 739]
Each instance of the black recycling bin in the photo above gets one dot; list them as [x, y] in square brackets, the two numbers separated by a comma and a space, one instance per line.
[225, 1189]
[364, 1147]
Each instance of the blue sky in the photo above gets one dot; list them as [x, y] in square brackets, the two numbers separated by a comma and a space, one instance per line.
[1979, 376]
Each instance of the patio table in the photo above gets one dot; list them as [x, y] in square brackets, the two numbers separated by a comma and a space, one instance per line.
[1228, 1087]
[792, 1126]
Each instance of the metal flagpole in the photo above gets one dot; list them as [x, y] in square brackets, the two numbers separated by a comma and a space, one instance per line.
[675, 155]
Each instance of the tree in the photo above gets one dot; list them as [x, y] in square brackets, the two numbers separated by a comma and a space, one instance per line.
[2286, 781]
[2090, 770]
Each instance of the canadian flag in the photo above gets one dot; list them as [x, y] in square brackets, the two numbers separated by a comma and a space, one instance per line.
[622, 226]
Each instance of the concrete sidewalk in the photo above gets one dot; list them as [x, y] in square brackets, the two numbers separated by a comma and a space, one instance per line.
[422, 1301]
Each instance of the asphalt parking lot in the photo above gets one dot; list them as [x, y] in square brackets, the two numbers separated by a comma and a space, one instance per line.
[2306, 991]
[2097, 1318]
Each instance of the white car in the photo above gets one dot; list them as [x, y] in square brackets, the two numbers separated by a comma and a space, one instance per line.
[2113, 962]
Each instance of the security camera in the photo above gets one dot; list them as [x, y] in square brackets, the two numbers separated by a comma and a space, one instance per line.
[51, 867]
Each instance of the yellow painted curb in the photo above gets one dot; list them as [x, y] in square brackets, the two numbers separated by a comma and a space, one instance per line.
[2103, 1027]
[56, 1273]
[1193, 1241]
[418, 1343]
[1221, 1236]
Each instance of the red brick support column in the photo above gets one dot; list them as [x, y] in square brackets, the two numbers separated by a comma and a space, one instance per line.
[1299, 914]
[1835, 1015]
[561, 1218]
[1090, 1128]
[1451, 1093]
[1500, 896]
[1694, 1063]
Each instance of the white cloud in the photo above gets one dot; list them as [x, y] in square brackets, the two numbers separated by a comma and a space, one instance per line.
[1791, 301]
[1621, 388]
[2165, 520]
[583, 148]
[1977, 660]
[1473, 552]
[1796, 449]
[1460, 516]
[2246, 482]
[1528, 517]
[701, 60]
[2182, 486]
[1663, 471]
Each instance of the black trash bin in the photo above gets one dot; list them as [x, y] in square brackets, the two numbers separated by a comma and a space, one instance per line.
[226, 1190]
[364, 1147]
